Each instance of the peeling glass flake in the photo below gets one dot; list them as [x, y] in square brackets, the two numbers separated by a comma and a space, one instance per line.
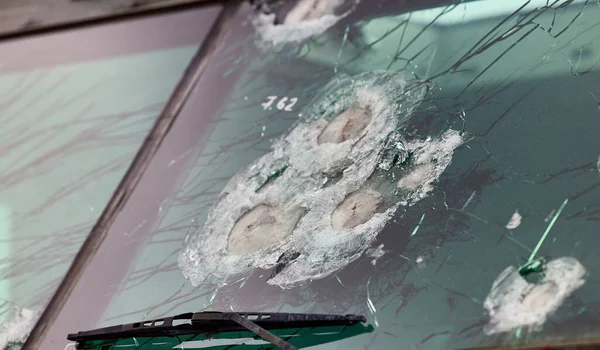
[515, 221]
[430, 158]
[513, 302]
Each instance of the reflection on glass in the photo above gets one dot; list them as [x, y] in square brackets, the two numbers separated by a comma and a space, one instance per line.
[506, 123]
[73, 116]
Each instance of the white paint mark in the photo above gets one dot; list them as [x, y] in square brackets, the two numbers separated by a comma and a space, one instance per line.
[270, 99]
[515, 221]
[513, 302]
[292, 103]
[284, 104]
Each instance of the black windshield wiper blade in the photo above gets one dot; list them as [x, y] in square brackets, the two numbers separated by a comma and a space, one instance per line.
[209, 323]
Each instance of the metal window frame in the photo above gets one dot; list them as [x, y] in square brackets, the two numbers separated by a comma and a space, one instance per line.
[78, 19]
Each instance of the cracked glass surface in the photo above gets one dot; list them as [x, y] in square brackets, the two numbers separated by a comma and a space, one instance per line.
[75, 107]
[476, 193]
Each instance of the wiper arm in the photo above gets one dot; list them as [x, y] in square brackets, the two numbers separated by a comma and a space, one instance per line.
[209, 323]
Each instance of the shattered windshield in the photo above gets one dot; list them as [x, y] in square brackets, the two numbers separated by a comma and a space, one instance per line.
[435, 169]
